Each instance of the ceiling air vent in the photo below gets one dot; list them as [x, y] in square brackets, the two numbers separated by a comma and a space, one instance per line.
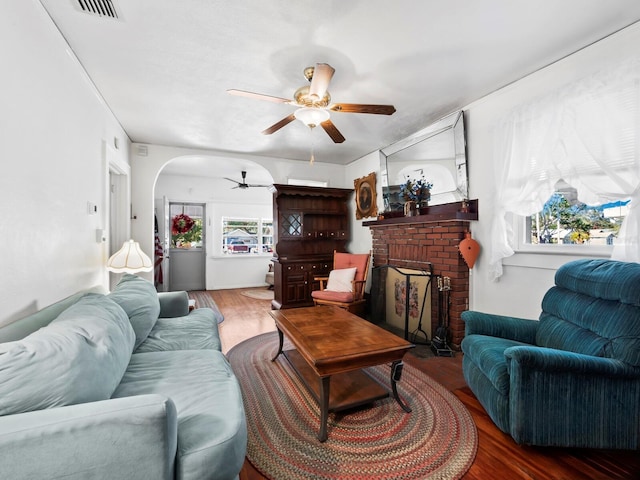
[102, 8]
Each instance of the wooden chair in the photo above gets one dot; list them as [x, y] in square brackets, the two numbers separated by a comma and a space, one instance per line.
[351, 299]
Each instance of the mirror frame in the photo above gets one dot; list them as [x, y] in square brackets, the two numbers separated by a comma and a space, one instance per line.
[453, 125]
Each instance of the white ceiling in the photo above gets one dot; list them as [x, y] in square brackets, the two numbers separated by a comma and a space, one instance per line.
[164, 66]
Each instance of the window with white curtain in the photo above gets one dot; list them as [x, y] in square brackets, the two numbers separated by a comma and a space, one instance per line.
[585, 136]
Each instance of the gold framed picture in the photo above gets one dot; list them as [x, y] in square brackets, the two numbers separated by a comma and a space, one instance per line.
[366, 202]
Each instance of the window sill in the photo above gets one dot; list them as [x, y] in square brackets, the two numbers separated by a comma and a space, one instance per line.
[552, 257]
[577, 250]
[241, 255]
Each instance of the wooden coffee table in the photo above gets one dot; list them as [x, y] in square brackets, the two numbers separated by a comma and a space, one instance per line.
[332, 346]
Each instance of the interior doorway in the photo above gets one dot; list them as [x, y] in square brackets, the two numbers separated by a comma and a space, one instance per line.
[187, 249]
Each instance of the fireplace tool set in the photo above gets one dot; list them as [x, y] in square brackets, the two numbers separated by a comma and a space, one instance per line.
[439, 343]
[419, 330]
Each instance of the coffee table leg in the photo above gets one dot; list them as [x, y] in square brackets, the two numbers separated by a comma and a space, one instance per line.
[396, 374]
[280, 342]
[324, 407]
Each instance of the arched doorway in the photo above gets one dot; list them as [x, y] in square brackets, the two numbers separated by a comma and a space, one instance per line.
[201, 181]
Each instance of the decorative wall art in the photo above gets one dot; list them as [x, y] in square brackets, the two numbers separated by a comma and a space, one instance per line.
[469, 249]
[366, 202]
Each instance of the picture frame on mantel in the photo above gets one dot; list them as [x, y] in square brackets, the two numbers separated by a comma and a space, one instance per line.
[366, 201]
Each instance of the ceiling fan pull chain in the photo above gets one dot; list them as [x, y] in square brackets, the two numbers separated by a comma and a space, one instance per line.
[313, 159]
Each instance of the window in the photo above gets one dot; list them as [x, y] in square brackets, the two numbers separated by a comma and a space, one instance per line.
[307, 183]
[186, 225]
[564, 220]
[246, 236]
[585, 135]
[267, 236]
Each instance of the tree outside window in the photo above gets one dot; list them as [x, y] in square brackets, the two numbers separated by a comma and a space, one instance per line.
[565, 220]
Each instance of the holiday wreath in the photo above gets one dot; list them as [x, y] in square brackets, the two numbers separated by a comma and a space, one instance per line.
[181, 224]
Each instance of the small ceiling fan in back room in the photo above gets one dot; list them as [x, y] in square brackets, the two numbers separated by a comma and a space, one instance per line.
[243, 184]
[314, 102]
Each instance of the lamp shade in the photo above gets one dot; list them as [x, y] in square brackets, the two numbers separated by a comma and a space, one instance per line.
[129, 259]
[312, 117]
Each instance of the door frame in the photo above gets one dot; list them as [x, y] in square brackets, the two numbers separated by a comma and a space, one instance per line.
[117, 204]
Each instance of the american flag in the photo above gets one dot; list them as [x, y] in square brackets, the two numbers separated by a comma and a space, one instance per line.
[158, 254]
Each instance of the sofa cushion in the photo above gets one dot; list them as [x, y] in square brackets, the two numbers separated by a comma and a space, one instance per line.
[196, 331]
[79, 357]
[594, 309]
[139, 299]
[487, 354]
[173, 304]
[347, 260]
[343, 297]
[579, 323]
[212, 433]
[602, 278]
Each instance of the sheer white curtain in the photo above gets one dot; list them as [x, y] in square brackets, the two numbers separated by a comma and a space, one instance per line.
[587, 134]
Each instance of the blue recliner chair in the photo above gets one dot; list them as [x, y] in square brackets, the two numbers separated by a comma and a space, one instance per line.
[571, 379]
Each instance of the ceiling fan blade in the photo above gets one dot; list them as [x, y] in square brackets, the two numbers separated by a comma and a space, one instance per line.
[359, 108]
[332, 131]
[258, 96]
[231, 180]
[277, 126]
[257, 185]
[322, 74]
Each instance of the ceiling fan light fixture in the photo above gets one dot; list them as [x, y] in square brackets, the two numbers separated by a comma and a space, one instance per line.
[305, 98]
[311, 117]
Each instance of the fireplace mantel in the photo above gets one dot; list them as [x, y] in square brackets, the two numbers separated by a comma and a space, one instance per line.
[436, 213]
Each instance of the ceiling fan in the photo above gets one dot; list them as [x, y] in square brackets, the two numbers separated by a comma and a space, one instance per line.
[314, 103]
[243, 184]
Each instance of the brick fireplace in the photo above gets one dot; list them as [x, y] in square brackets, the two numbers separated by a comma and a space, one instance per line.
[412, 242]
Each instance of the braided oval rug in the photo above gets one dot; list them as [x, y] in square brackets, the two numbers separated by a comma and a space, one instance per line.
[437, 440]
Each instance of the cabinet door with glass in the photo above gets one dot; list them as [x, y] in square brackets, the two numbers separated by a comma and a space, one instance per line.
[290, 225]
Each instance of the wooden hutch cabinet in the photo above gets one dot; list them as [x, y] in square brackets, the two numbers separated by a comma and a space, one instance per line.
[309, 223]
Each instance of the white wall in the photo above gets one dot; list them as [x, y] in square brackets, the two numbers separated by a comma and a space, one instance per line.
[221, 272]
[361, 239]
[54, 132]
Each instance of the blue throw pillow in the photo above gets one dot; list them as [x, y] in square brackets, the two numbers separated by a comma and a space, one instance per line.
[138, 297]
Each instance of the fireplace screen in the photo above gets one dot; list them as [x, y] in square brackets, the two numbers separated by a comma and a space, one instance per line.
[401, 301]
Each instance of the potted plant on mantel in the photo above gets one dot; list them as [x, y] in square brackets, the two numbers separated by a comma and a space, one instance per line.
[416, 194]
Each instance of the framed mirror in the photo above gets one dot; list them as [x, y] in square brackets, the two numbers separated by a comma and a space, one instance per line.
[436, 154]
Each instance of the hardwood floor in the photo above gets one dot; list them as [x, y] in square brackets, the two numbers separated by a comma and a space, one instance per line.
[498, 457]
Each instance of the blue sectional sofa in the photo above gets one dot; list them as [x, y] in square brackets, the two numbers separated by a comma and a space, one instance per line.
[125, 385]
[572, 378]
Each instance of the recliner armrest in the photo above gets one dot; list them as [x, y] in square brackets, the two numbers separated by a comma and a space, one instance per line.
[118, 438]
[556, 361]
[512, 328]
[559, 398]
[173, 304]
